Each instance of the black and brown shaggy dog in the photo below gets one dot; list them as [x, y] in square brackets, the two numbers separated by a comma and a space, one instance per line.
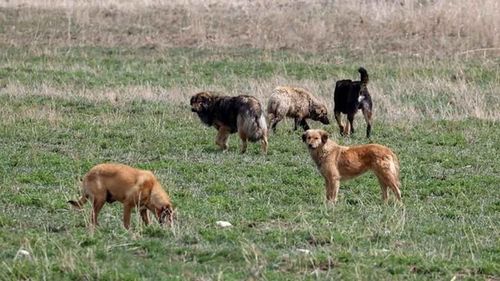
[242, 114]
[296, 103]
[349, 97]
[339, 163]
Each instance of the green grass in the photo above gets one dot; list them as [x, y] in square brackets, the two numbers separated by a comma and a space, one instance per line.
[448, 226]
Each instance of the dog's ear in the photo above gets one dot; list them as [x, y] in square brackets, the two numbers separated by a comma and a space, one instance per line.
[165, 214]
[304, 136]
[206, 99]
[324, 136]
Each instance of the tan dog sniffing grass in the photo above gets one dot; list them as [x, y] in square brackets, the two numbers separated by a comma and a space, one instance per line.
[298, 104]
[130, 186]
[338, 163]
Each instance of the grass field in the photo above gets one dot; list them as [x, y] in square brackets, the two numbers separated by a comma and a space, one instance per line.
[66, 107]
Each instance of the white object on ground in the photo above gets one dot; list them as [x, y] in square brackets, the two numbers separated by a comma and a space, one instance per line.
[305, 251]
[223, 223]
[22, 254]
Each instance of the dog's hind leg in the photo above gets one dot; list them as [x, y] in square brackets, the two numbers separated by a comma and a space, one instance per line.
[396, 191]
[383, 188]
[394, 185]
[244, 141]
[338, 118]
[264, 143]
[387, 179]
[367, 113]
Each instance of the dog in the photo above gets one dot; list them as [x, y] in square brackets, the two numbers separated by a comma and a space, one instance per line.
[338, 163]
[242, 114]
[130, 186]
[349, 97]
[298, 104]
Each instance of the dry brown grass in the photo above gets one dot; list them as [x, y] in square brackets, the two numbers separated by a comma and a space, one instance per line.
[407, 26]
[410, 101]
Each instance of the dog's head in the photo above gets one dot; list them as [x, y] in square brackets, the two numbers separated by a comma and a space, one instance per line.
[314, 138]
[201, 101]
[165, 214]
[319, 113]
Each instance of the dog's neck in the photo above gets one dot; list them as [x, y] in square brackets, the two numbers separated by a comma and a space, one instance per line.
[320, 153]
[206, 117]
[159, 198]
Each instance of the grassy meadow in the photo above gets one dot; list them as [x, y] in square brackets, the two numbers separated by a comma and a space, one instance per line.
[84, 93]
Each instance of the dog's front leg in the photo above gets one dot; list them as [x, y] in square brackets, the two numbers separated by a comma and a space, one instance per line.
[304, 124]
[338, 118]
[96, 208]
[222, 138]
[332, 188]
[295, 123]
[144, 215]
[127, 211]
[350, 119]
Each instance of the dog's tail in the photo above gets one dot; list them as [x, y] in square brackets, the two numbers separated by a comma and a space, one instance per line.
[253, 124]
[79, 204]
[364, 75]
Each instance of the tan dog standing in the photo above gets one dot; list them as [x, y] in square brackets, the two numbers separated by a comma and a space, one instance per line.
[338, 163]
[130, 186]
[298, 104]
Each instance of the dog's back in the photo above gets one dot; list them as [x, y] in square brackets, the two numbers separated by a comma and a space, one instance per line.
[250, 118]
[228, 114]
[288, 101]
[346, 96]
[118, 181]
[227, 110]
[350, 96]
[293, 102]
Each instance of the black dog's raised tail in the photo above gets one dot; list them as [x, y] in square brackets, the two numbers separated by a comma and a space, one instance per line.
[364, 75]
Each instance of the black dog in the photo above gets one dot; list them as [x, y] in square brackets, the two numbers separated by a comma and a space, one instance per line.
[242, 114]
[349, 97]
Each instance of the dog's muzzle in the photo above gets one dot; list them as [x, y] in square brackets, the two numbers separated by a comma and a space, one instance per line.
[325, 120]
